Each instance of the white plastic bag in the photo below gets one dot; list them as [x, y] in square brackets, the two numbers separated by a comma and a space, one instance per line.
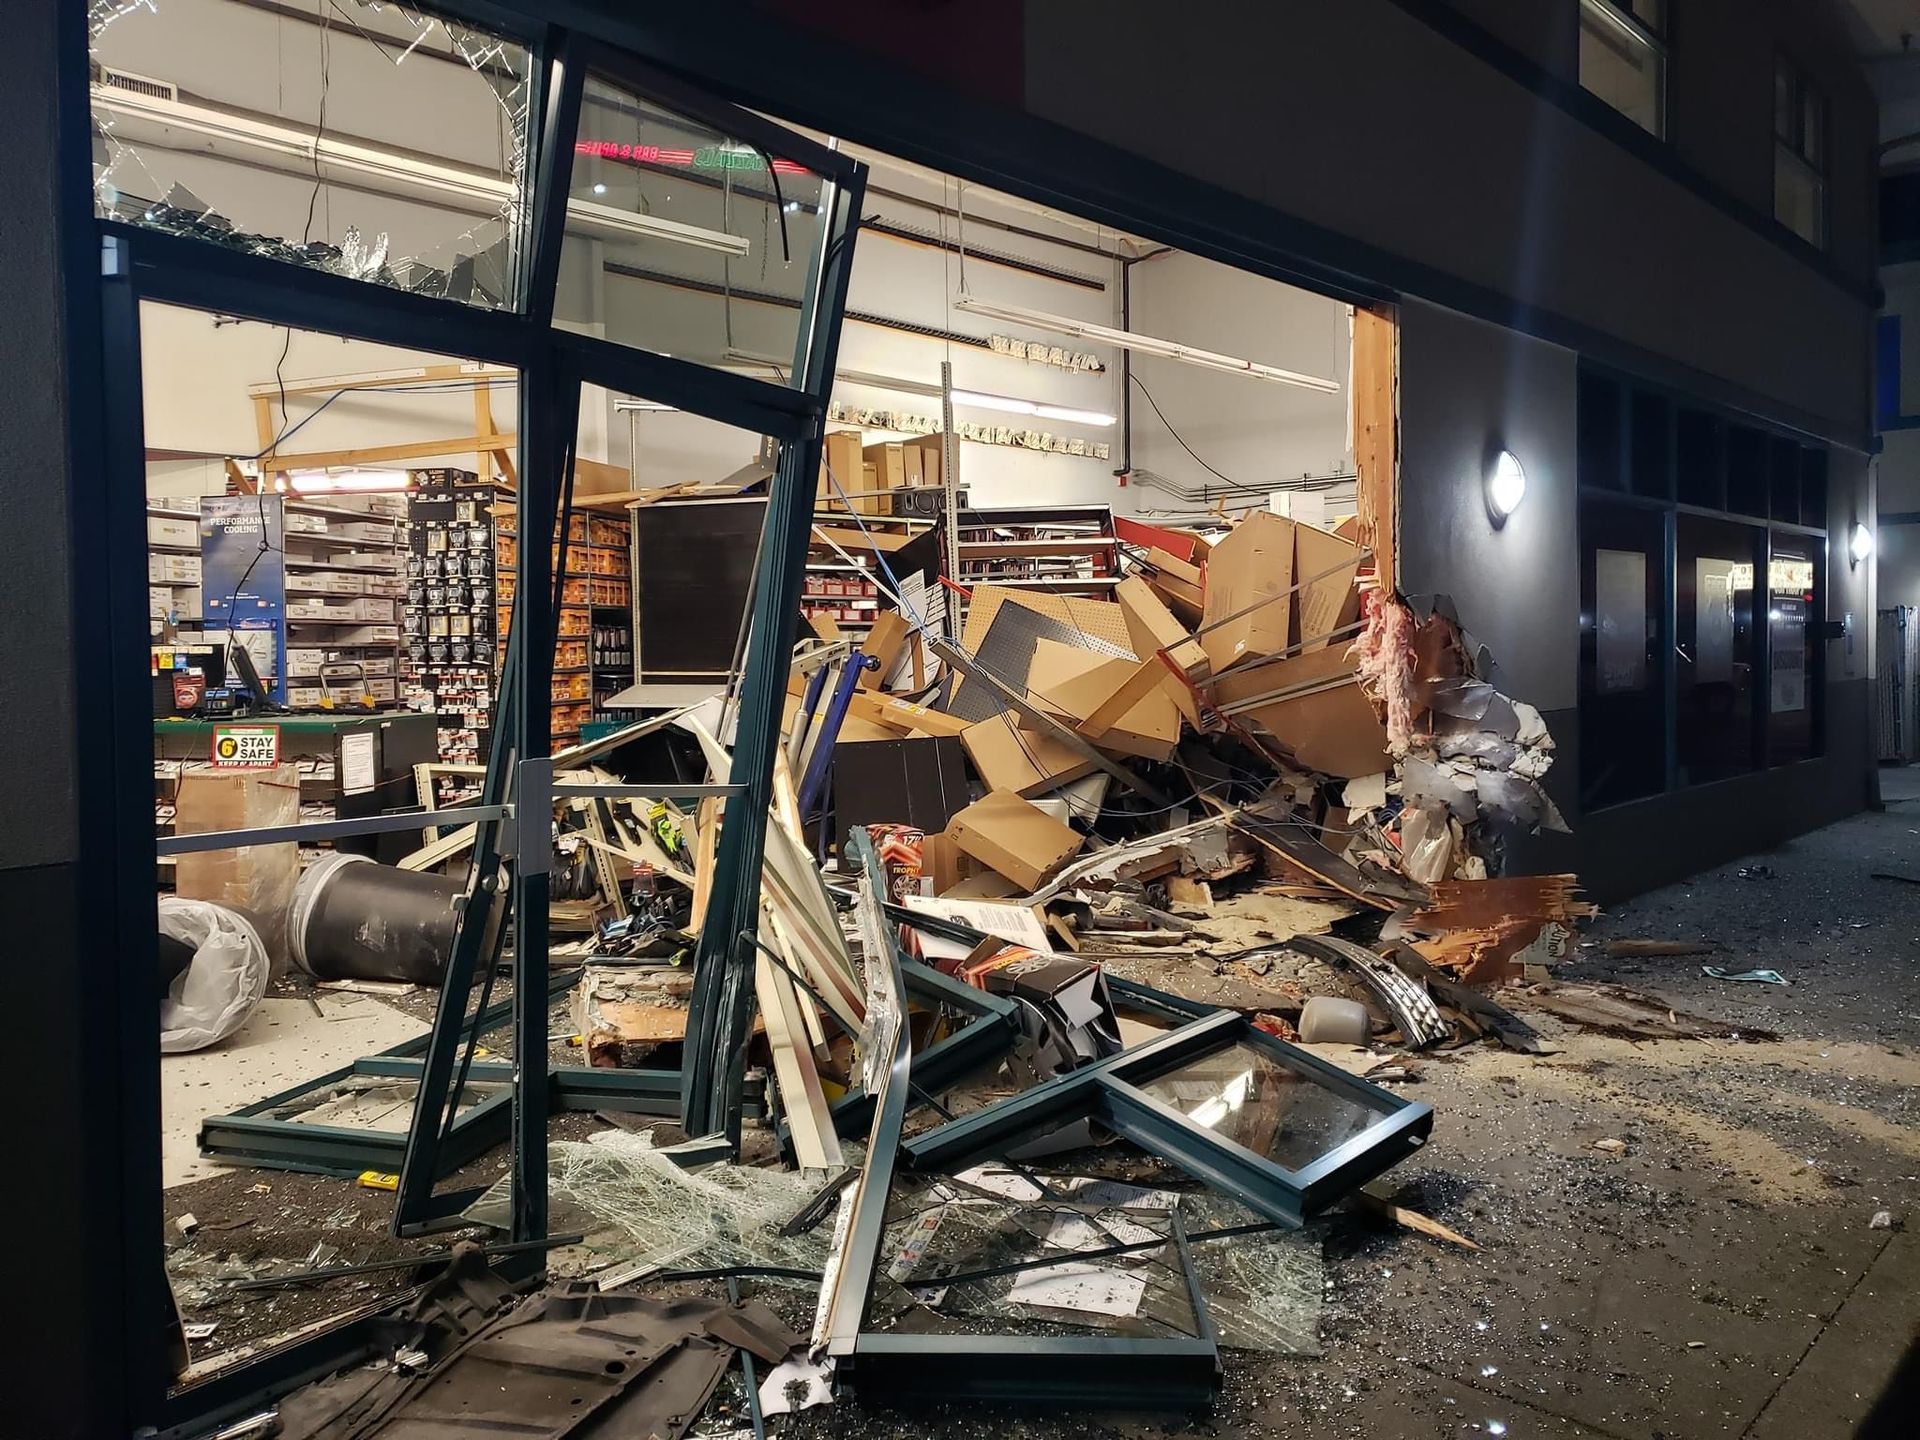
[213, 996]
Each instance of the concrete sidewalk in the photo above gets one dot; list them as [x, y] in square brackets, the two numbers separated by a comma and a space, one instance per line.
[1718, 1278]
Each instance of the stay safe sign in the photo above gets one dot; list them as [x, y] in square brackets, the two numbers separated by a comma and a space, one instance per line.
[246, 747]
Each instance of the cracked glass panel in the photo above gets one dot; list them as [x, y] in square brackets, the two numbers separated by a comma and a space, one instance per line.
[685, 241]
[1247, 1097]
[365, 139]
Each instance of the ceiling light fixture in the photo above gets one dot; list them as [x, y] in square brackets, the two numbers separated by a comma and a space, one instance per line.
[160, 120]
[359, 482]
[1145, 344]
[1506, 486]
[979, 399]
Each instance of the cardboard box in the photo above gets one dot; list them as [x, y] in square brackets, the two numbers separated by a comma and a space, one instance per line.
[840, 455]
[1254, 562]
[1319, 713]
[1009, 758]
[173, 569]
[885, 642]
[931, 450]
[170, 530]
[256, 880]
[159, 600]
[1329, 604]
[1178, 583]
[904, 715]
[1154, 629]
[889, 462]
[1054, 665]
[1122, 705]
[1014, 838]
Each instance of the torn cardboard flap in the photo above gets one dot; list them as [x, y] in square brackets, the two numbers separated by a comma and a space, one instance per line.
[1330, 603]
[1311, 705]
[1121, 705]
[1008, 757]
[1157, 633]
[1177, 583]
[1254, 562]
[1014, 838]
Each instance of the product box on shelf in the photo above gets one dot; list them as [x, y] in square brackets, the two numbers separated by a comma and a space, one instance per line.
[172, 530]
[173, 569]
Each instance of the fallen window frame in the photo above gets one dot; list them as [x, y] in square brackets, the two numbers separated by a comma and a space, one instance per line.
[253, 1136]
[1175, 1372]
[1108, 1091]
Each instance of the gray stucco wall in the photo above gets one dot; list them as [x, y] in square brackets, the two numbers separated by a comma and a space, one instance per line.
[1363, 119]
[1468, 388]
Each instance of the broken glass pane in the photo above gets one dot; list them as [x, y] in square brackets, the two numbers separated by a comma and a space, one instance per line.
[363, 138]
[1247, 1097]
[683, 240]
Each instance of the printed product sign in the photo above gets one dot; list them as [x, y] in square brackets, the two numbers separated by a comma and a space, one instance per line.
[246, 747]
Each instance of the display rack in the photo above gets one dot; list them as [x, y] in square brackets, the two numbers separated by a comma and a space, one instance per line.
[452, 588]
[1070, 549]
[173, 569]
[343, 586]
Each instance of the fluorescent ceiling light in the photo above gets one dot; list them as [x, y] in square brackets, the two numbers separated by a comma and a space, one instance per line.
[176, 124]
[1004, 403]
[978, 399]
[1078, 417]
[334, 482]
[1144, 344]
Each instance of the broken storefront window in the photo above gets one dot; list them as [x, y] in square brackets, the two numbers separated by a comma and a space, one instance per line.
[369, 140]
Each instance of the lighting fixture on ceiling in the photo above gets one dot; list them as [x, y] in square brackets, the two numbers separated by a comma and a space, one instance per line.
[1144, 344]
[1506, 486]
[163, 120]
[1011, 406]
[977, 399]
[338, 482]
[1859, 544]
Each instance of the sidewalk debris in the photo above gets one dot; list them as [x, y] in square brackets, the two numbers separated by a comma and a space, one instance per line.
[1757, 977]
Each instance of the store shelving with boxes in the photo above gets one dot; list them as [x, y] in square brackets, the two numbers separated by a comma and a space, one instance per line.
[1069, 549]
[463, 570]
[343, 586]
[173, 568]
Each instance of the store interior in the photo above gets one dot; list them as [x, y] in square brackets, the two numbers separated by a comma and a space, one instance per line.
[344, 511]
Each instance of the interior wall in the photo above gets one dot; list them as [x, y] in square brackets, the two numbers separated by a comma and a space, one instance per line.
[197, 368]
[1256, 432]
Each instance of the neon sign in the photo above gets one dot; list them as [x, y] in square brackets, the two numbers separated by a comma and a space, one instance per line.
[707, 157]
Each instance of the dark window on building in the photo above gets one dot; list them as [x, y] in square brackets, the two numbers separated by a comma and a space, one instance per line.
[1691, 668]
[1813, 488]
[1799, 154]
[1623, 708]
[1700, 452]
[1650, 445]
[1747, 484]
[1783, 475]
[1714, 646]
[1623, 58]
[1794, 654]
[1599, 418]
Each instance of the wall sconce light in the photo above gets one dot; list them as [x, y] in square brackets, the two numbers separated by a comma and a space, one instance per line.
[1859, 544]
[1506, 486]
